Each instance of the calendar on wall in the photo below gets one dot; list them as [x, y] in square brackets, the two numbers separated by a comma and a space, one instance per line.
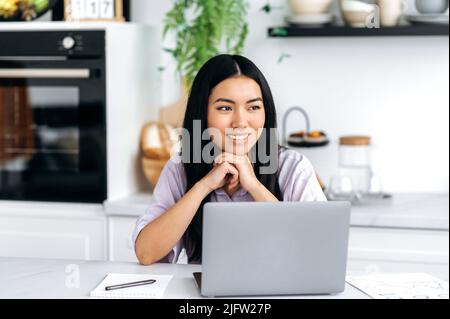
[93, 10]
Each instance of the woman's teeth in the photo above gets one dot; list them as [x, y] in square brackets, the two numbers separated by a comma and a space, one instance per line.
[238, 137]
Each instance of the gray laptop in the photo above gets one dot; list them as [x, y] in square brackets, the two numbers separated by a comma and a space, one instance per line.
[285, 248]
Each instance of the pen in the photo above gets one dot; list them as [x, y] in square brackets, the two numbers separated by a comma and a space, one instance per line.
[131, 284]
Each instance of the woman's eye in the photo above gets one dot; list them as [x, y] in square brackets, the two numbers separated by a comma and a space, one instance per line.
[255, 107]
[224, 108]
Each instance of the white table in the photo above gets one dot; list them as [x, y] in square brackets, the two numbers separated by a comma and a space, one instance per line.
[46, 278]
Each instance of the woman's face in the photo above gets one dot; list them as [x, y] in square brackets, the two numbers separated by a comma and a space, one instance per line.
[236, 114]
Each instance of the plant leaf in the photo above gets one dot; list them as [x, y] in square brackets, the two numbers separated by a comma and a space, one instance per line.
[202, 29]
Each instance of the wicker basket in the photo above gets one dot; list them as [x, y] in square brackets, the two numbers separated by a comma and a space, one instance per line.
[152, 169]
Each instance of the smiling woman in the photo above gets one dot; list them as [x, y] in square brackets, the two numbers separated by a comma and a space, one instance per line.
[231, 102]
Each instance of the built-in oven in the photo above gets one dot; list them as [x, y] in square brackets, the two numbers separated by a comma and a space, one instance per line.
[53, 116]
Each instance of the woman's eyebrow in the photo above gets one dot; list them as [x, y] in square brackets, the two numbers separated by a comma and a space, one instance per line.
[255, 100]
[231, 101]
[224, 100]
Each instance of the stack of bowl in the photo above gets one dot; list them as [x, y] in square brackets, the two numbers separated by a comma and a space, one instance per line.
[310, 13]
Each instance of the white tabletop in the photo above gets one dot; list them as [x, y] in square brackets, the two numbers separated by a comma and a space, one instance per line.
[28, 278]
[43, 278]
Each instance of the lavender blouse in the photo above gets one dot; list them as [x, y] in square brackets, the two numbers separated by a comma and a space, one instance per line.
[297, 181]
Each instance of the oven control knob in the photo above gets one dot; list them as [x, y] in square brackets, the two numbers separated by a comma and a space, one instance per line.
[68, 43]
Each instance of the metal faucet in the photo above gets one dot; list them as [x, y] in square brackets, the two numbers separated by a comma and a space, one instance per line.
[285, 117]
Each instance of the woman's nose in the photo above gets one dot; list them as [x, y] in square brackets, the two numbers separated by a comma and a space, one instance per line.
[239, 119]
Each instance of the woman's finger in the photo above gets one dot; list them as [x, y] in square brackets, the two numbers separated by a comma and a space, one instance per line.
[230, 158]
[218, 159]
[233, 171]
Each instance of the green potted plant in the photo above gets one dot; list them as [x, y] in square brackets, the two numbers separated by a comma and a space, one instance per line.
[202, 29]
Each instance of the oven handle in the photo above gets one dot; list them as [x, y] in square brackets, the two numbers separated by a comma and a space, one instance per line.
[45, 73]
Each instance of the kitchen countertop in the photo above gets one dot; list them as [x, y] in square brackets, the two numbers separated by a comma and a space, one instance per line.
[27, 278]
[46, 278]
[414, 211]
[418, 211]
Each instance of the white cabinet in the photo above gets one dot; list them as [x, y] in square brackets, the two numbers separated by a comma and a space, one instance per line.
[62, 231]
[399, 245]
[386, 249]
[120, 245]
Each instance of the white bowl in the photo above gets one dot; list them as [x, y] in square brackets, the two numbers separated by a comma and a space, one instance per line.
[354, 5]
[355, 13]
[355, 19]
[309, 7]
[310, 19]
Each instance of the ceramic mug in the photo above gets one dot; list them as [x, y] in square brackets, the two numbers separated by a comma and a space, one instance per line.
[391, 11]
[431, 6]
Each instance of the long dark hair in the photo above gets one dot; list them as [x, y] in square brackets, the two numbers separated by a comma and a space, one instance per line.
[214, 71]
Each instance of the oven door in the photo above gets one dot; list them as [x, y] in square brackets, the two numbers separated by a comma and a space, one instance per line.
[53, 130]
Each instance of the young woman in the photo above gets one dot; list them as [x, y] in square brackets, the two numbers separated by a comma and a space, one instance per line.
[231, 100]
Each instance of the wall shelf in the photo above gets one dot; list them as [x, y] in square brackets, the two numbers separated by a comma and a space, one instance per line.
[345, 31]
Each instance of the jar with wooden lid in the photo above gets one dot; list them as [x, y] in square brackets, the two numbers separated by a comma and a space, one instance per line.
[355, 160]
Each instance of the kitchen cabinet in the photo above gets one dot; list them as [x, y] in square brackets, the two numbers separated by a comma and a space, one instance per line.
[374, 250]
[120, 244]
[403, 245]
[63, 231]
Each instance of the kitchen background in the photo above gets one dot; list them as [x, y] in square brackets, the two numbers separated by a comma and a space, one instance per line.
[394, 89]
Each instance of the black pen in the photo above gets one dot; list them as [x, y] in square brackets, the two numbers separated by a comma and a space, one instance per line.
[131, 284]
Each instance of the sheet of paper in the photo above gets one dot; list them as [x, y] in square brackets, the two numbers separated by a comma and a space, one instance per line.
[401, 286]
[155, 290]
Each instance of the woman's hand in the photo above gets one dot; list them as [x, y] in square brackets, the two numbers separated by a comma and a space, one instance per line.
[247, 177]
[222, 174]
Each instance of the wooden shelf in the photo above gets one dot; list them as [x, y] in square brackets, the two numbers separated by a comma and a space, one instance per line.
[345, 31]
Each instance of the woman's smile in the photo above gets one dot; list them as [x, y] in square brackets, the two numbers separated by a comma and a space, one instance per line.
[239, 138]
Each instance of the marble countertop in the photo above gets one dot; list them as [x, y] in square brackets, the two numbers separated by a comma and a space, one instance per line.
[31, 278]
[415, 211]
[46, 278]
[418, 211]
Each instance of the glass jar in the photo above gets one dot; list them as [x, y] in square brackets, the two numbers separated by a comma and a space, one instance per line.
[355, 161]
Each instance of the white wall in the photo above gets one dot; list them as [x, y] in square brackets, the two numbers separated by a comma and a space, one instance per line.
[394, 88]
